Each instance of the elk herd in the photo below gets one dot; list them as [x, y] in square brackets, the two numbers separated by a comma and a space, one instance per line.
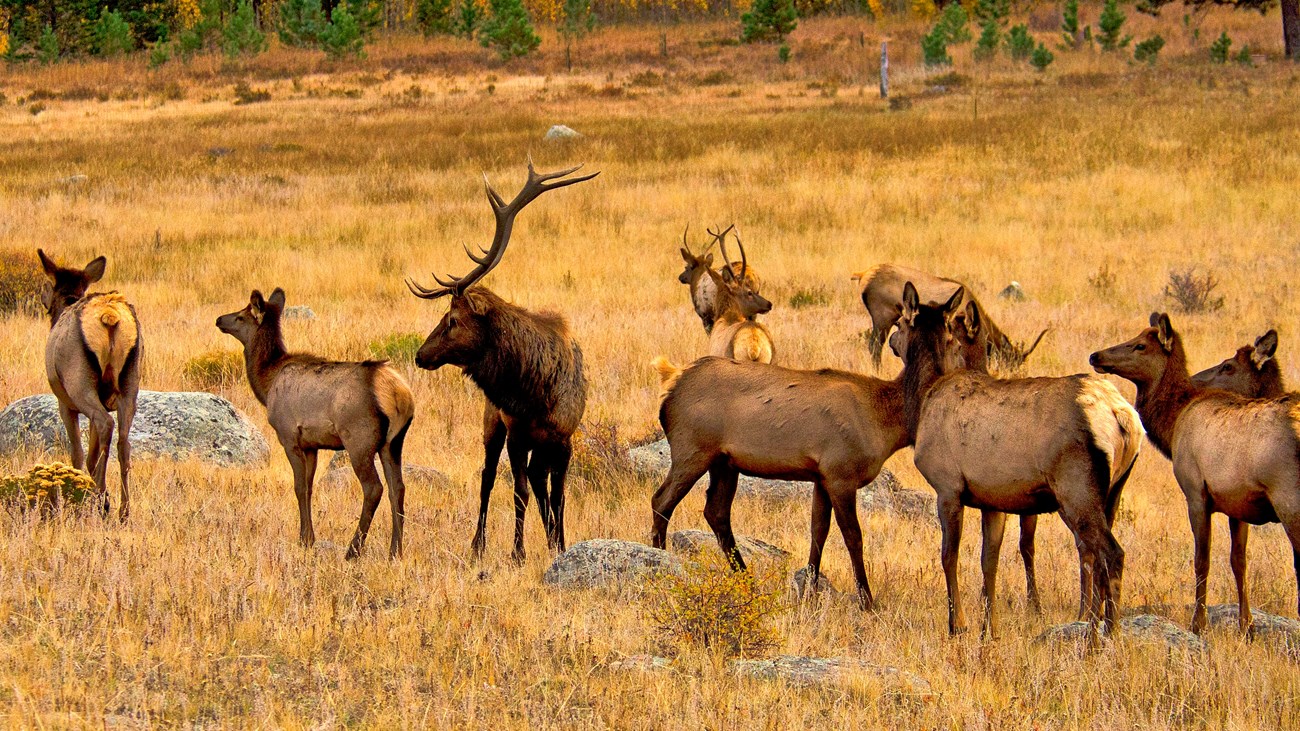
[1001, 445]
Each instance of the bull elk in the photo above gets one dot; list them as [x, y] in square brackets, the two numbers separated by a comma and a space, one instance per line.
[703, 286]
[528, 366]
[92, 361]
[363, 408]
[882, 295]
[978, 446]
[736, 333]
[1252, 371]
[1230, 454]
[833, 428]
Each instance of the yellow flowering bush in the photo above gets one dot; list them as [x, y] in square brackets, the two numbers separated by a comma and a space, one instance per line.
[710, 606]
[47, 487]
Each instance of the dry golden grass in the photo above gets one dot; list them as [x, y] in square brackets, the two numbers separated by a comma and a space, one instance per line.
[204, 611]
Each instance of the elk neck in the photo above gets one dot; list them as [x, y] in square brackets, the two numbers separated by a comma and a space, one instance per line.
[527, 361]
[920, 371]
[1161, 402]
[265, 356]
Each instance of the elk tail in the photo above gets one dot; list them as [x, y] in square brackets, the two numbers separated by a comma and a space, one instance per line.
[1037, 340]
[108, 328]
[668, 375]
[394, 398]
[857, 276]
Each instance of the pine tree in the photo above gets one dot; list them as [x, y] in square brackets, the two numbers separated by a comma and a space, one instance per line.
[301, 22]
[343, 36]
[768, 20]
[576, 21]
[434, 16]
[509, 30]
[1070, 33]
[47, 46]
[1041, 58]
[990, 37]
[241, 37]
[1111, 25]
[468, 19]
[1019, 43]
[112, 35]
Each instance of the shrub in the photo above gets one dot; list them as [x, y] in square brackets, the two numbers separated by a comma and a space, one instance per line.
[1070, 33]
[434, 17]
[112, 35]
[1104, 280]
[214, 369]
[809, 298]
[509, 30]
[1148, 50]
[950, 28]
[768, 20]
[1192, 293]
[47, 46]
[710, 606]
[301, 23]
[1041, 58]
[987, 45]
[1110, 25]
[1019, 43]
[343, 36]
[245, 94]
[996, 11]
[241, 37]
[47, 487]
[1219, 49]
[954, 22]
[159, 54]
[468, 19]
[783, 53]
[399, 347]
[21, 283]
[1243, 57]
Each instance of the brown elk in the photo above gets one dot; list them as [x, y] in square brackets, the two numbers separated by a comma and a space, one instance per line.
[736, 334]
[1252, 372]
[832, 428]
[363, 408]
[882, 295]
[1019, 446]
[528, 366]
[1230, 454]
[703, 288]
[92, 361]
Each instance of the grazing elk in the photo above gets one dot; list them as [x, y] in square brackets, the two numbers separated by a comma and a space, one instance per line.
[736, 334]
[882, 295]
[364, 408]
[528, 366]
[1021, 446]
[703, 289]
[1232, 455]
[92, 361]
[1252, 372]
[832, 428]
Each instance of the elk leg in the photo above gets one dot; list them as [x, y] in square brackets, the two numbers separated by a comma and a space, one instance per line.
[1089, 595]
[101, 438]
[538, 469]
[518, 453]
[950, 518]
[821, 527]
[1199, 516]
[992, 525]
[70, 419]
[682, 476]
[559, 472]
[844, 503]
[390, 457]
[301, 461]
[717, 511]
[363, 463]
[125, 415]
[1240, 532]
[1028, 528]
[494, 440]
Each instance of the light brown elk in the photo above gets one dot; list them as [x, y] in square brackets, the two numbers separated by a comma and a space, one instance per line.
[363, 408]
[1019, 446]
[882, 295]
[528, 366]
[92, 362]
[702, 286]
[1230, 454]
[1252, 371]
[832, 428]
[736, 333]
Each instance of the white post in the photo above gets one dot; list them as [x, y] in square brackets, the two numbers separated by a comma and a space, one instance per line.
[884, 69]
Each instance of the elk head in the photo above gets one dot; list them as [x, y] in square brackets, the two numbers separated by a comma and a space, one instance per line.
[461, 336]
[696, 264]
[244, 324]
[740, 285]
[951, 334]
[67, 285]
[1244, 372]
[1142, 359]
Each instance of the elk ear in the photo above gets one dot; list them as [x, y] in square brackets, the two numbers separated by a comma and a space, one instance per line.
[1155, 318]
[1165, 332]
[47, 297]
[707, 259]
[257, 305]
[47, 264]
[686, 256]
[955, 300]
[972, 320]
[95, 269]
[728, 275]
[911, 301]
[1265, 347]
[477, 304]
[277, 299]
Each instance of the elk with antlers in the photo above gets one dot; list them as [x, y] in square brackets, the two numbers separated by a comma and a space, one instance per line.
[736, 333]
[1252, 371]
[528, 366]
[704, 288]
[92, 361]
[362, 408]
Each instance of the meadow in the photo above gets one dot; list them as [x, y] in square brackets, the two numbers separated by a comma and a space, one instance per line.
[1087, 184]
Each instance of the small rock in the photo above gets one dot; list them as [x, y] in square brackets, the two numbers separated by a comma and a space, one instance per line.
[76, 179]
[606, 562]
[561, 132]
[340, 473]
[216, 152]
[299, 312]
[1281, 631]
[641, 664]
[905, 503]
[325, 546]
[1013, 292]
[841, 673]
[695, 541]
[799, 584]
[1145, 627]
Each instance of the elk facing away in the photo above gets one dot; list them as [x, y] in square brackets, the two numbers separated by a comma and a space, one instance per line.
[703, 287]
[736, 334]
[528, 366]
[832, 428]
[92, 361]
[362, 408]
[1232, 455]
[882, 295]
[1252, 372]
[1022, 446]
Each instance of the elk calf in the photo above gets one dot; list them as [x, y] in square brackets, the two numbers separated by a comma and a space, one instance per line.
[1252, 372]
[977, 447]
[362, 408]
[703, 287]
[92, 362]
[1232, 455]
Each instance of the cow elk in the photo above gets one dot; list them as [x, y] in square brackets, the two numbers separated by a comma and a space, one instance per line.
[882, 295]
[363, 408]
[978, 446]
[736, 333]
[703, 287]
[528, 366]
[1252, 372]
[1230, 454]
[92, 361]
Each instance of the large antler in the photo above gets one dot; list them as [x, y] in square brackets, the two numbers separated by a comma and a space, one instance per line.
[505, 213]
[716, 237]
[744, 262]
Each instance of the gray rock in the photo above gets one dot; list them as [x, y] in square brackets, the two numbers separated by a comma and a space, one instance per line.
[75, 179]
[299, 312]
[911, 504]
[606, 562]
[641, 664]
[216, 152]
[561, 132]
[172, 425]
[799, 584]
[751, 549]
[1282, 631]
[1145, 627]
[340, 473]
[841, 673]
[1013, 292]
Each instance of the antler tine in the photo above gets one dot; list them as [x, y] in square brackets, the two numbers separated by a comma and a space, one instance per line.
[686, 245]
[481, 258]
[424, 292]
[744, 261]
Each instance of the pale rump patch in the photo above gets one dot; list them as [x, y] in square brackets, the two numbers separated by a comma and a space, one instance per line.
[668, 375]
[395, 399]
[1114, 423]
[110, 332]
[752, 344]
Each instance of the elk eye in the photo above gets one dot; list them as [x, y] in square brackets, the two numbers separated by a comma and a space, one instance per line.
[1140, 346]
[1228, 369]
